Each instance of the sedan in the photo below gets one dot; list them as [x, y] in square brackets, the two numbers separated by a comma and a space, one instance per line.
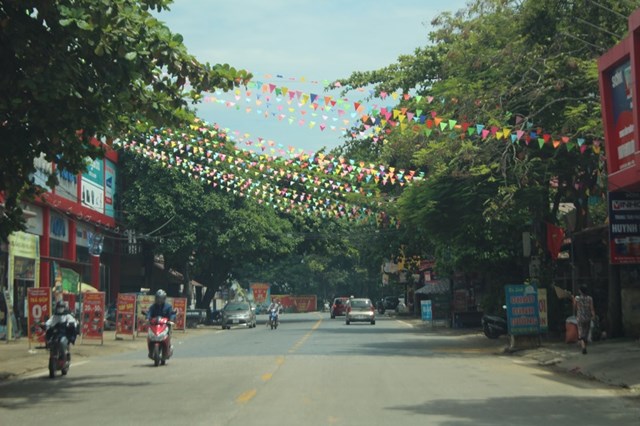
[238, 313]
[360, 310]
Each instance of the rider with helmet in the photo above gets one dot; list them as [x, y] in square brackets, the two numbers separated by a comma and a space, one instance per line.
[161, 308]
[63, 319]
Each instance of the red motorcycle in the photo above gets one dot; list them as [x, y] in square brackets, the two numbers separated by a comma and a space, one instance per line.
[159, 340]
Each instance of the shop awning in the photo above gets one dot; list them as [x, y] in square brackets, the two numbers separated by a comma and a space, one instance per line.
[434, 287]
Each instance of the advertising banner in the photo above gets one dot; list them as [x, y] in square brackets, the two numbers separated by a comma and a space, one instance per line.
[93, 312]
[143, 303]
[67, 185]
[93, 186]
[522, 309]
[180, 306]
[305, 303]
[284, 299]
[425, 309]
[38, 311]
[621, 142]
[109, 188]
[543, 310]
[261, 293]
[70, 280]
[21, 246]
[624, 227]
[125, 314]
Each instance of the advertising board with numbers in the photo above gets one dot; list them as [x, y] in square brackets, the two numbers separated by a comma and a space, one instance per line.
[93, 312]
[38, 311]
[125, 314]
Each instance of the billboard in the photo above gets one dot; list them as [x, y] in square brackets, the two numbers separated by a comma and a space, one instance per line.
[621, 142]
[523, 311]
[261, 293]
[110, 176]
[92, 189]
[38, 311]
[624, 227]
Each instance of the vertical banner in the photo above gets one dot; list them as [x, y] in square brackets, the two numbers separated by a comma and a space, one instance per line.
[522, 309]
[180, 306]
[38, 311]
[621, 141]
[543, 310]
[125, 314]
[624, 227]
[261, 293]
[93, 311]
[143, 304]
[109, 187]
[425, 308]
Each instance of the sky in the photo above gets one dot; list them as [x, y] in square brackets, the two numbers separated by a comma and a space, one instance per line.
[318, 40]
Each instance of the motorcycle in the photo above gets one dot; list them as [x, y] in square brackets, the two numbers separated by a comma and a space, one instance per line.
[159, 340]
[273, 319]
[494, 326]
[57, 342]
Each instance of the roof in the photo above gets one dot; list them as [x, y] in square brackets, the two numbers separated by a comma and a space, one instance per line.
[434, 287]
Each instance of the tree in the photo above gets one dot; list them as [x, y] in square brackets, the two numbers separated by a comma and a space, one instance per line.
[74, 70]
[177, 216]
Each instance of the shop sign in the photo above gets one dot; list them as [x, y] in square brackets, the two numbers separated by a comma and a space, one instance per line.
[67, 185]
[93, 310]
[125, 314]
[109, 188]
[624, 227]
[522, 309]
[425, 308]
[59, 227]
[180, 306]
[92, 196]
[24, 245]
[38, 312]
[34, 224]
[621, 142]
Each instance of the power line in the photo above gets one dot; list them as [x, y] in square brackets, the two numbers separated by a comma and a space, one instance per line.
[607, 9]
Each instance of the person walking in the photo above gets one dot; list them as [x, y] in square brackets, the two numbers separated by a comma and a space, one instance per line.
[583, 308]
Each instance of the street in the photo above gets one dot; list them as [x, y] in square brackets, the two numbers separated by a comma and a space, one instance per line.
[316, 371]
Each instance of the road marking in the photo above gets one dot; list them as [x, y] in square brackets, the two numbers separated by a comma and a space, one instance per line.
[280, 360]
[246, 396]
[466, 351]
[266, 377]
[406, 324]
[304, 338]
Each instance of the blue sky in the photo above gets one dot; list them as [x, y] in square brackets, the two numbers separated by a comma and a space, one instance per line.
[318, 40]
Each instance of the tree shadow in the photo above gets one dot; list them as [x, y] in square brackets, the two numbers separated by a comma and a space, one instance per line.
[527, 411]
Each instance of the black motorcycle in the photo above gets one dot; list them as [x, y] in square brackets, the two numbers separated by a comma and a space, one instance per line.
[494, 326]
[58, 339]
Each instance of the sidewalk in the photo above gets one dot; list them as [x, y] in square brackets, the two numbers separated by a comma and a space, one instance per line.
[614, 362]
[16, 359]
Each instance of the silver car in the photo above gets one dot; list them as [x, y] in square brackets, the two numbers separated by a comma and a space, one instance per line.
[238, 313]
[360, 310]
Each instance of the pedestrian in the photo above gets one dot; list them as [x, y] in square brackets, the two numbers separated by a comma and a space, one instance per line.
[584, 311]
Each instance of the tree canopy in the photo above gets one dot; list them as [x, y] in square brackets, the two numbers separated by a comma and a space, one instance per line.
[74, 70]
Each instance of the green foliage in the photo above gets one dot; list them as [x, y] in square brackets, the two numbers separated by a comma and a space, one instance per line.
[72, 70]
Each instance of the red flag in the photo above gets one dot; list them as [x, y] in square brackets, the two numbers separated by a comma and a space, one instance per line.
[555, 237]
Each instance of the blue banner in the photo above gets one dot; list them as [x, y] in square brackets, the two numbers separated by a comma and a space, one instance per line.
[425, 307]
[523, 312]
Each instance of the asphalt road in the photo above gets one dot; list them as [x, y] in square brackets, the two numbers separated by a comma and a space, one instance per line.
[316, 371]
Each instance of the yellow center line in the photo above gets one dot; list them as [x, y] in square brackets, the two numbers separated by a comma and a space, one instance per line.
[304, 338]
[266, 377]
[245, 397]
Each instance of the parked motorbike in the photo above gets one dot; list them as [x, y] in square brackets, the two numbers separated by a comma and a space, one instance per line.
[273, 319]
[57, 342]
[494, 326]
[159, 340]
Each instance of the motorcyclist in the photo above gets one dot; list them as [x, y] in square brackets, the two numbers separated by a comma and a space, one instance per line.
[275, 305]
[161, 308]
[63, 319]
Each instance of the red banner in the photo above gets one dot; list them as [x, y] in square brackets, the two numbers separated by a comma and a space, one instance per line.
[180, 306]
[284, 299]
[38, 311]
[260, 292]
[305, 303]
[144, 302]
[125, 314]
[93, 311]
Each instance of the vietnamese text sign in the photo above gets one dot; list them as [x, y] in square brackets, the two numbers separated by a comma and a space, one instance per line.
[522, 309]
[425, 307]
[93, 305]
[38, 311]
[109, 188]
[543, 310]
[143, 304]
[624, 227]
[180, 306]
[125, 314]
[621, 142]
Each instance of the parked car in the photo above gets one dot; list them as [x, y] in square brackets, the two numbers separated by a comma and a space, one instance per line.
[338, 306]
[360, 310]
[238, 313]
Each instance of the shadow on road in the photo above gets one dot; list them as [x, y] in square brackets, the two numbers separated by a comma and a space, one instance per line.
[43, 390]
[524, 411]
